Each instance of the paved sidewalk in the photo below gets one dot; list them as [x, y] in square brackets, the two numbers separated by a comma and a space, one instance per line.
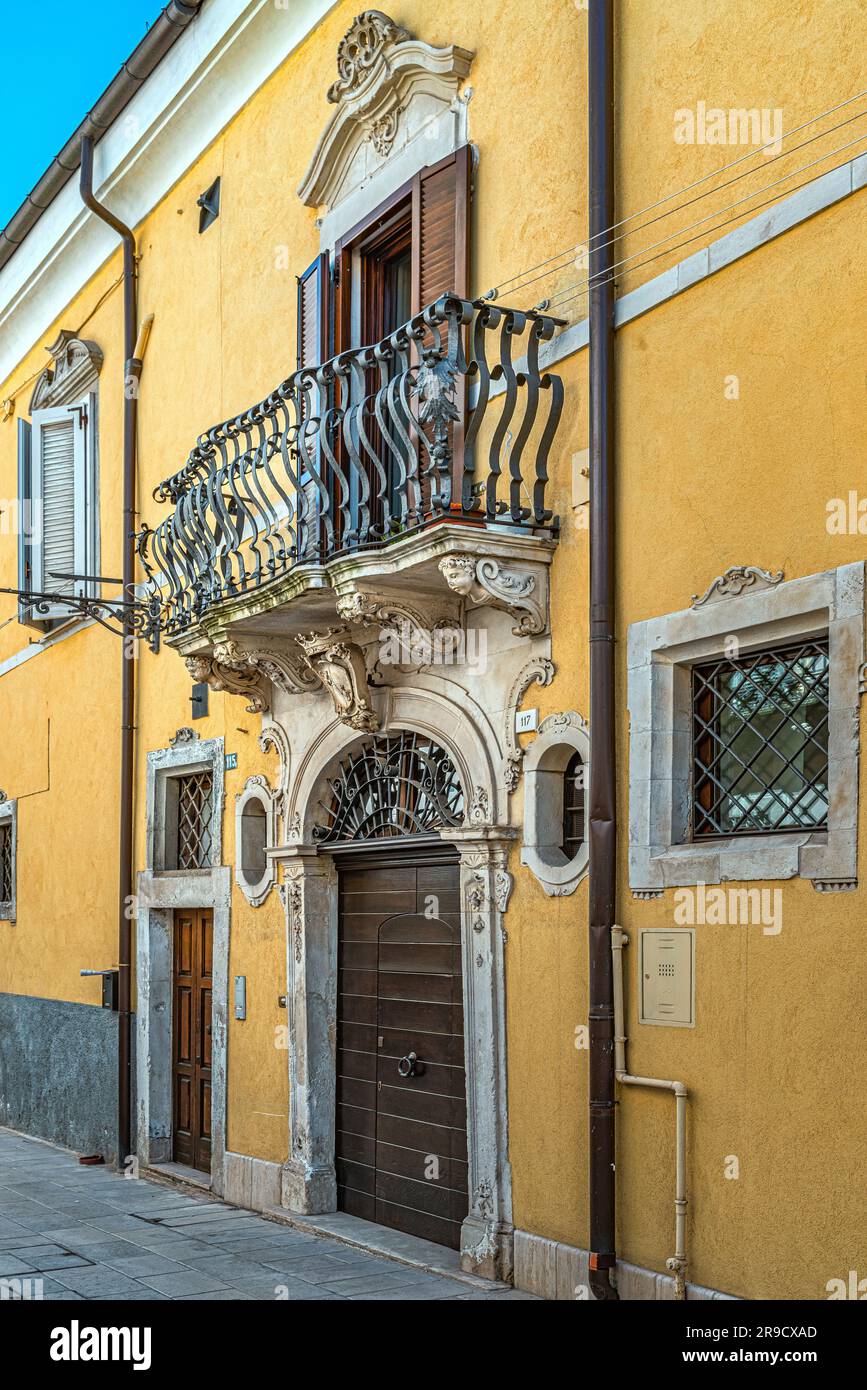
[91, 1234]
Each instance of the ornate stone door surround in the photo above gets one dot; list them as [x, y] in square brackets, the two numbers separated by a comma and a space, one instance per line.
[309, 890]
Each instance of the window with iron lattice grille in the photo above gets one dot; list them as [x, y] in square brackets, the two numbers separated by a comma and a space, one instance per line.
[5, 862]
[760, 742]
[195, 804]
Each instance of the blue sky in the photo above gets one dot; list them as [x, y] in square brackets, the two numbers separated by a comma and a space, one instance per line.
[59, 58]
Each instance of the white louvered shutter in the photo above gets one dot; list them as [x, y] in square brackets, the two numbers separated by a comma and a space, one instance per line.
[59, 493]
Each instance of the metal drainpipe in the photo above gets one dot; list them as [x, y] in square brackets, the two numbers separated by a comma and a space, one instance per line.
[132, 370]
[603, 790]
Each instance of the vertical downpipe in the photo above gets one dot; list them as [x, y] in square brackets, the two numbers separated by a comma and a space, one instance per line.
[132, 369]
[603, 807]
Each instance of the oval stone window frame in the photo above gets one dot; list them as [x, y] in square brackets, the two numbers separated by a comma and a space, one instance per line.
[256, 789]
[560, 736]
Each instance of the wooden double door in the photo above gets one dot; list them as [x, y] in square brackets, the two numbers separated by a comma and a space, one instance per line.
[401, 1147]
[192, 991]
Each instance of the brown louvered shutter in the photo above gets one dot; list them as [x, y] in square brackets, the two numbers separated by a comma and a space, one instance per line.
[313, 313]
[441, 230]
[441, 257]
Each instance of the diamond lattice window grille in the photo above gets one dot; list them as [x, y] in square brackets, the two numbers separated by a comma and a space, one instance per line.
[5, 863]
[760, 742]
[195, 807]
[401, 785]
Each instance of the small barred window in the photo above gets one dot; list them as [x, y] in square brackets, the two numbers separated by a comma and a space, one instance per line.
[195, 808]
[5, 862]
[573, 806]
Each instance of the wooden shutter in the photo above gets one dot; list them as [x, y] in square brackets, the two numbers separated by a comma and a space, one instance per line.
[25, 521]
[60, 498]
[441, 260]
[313, 313]
[441, 230]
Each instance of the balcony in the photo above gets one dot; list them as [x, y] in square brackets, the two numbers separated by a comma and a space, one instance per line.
[409, 476]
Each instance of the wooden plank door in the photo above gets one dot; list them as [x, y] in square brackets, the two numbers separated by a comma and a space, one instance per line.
[191, 1034]
[401, 1086]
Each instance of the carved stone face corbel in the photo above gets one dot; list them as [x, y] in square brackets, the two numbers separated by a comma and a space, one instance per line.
[235, 681]
[251, 672]
[520, 590]
[339, 664]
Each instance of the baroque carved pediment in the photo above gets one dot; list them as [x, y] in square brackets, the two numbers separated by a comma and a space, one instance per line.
[75, 366]
[383, 71]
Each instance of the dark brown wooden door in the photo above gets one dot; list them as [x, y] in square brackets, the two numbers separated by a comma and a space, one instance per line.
[191, 1033]
[402, 1124]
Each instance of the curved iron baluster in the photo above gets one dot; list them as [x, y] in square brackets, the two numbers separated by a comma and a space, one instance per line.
[488, 317]
[360, 460]
[372, 464]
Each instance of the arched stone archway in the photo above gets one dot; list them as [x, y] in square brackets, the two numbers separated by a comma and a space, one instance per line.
[310, 894]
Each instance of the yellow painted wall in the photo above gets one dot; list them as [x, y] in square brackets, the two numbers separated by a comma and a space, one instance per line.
[704, 483]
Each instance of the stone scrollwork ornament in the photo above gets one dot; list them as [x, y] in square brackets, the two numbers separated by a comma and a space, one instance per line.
[339, 665]
[232, 680]
[361, 49]
[735, 581]
[487, 582]
[540, 670]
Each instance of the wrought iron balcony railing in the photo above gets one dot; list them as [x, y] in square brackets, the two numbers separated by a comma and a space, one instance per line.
[355, 453]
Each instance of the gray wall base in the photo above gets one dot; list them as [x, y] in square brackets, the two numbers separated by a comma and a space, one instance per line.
[251, 1182]
[58, 1072]
[550, 1269]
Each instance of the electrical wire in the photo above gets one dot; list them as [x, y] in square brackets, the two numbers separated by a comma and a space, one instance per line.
[701, 196]
[606, 278]
[711, 215]
[651, 207]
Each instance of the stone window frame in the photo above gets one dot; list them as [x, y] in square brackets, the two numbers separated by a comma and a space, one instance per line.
[256, 789]
[545, 762]
[166, 765]
[9, 817]
[660, 654]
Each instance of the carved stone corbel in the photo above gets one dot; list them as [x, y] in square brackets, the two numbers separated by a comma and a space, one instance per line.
[517, 590]
[410, 639]
[281, 668]
[339, 664]
[235, 681]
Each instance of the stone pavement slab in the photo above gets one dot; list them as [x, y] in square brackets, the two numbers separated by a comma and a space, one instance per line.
[94, 1234]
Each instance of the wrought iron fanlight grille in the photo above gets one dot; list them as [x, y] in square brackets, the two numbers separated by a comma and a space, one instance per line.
[396, 786]
[760, 742]
[195, 805]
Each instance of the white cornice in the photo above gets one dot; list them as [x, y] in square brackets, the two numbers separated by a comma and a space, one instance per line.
[195, 91]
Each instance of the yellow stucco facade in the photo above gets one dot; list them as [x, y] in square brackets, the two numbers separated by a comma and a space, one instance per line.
[704, 481]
